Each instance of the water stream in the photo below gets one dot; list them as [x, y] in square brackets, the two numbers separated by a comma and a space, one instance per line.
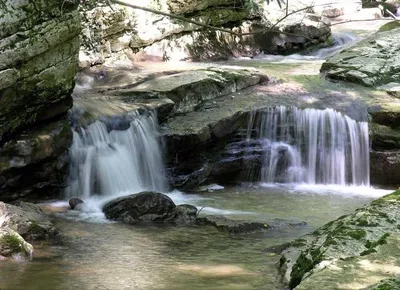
[311, 146]
[114, 157]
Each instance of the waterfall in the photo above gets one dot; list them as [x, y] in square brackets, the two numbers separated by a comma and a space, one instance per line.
[108, 159]
[311, 146]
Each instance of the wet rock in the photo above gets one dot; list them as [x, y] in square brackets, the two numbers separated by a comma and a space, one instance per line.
[34, 163]
[372, 62]
[12, 245]
[385, 166]
[232, 226]
[121, 93]
[190, 180]
[28, 220]
[141, 207]
[75, 202]
[351, 249]
[185, 214]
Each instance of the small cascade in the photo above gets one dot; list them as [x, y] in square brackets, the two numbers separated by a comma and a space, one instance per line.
[109, 158]
[311, 146]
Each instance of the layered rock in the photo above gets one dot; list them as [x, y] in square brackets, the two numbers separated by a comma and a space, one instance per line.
[39, 44]
[171, 92]
[372, 62]
[140, 35]
[347, 253]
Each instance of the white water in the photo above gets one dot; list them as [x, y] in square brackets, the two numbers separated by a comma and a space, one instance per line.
[312, 146]
[340, 41]
[106, 164]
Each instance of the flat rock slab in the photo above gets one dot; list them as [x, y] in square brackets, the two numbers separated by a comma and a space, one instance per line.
[375, 61]
[165, 92]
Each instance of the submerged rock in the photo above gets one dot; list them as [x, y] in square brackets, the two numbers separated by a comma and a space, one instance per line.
[28, 220]
[185, 214]
[141, 207]
[362, 248]
[12, 245]
[74, 202]
[232, 226]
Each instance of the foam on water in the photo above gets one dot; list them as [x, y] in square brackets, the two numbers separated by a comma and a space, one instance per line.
[310, 146]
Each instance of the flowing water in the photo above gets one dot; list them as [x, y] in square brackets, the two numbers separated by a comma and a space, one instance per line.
[311, 146]
[113, 157]
[116, 256]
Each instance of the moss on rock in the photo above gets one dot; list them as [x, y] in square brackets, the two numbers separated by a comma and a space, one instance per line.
[355, 236]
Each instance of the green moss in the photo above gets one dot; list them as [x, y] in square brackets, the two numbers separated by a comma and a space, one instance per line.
[303, 265]
[389, 284]
[372, 245]
[298, 243]
[12, 242]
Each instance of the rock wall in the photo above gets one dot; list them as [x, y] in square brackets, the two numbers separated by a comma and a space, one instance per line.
[39, 44]
[137, 35]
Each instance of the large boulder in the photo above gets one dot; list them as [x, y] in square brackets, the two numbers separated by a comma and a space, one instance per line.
[372, 62]
[141, 207]
[353, 252]
[12, 245]
[28, 220]
[153, 207]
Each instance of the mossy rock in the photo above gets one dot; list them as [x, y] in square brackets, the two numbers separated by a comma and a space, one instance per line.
[389, 26]
[13, 245]
[370, 233]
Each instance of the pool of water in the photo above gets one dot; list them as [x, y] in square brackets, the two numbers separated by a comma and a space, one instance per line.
[106, 255]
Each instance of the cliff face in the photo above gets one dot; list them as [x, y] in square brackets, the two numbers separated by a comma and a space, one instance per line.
[39, 44]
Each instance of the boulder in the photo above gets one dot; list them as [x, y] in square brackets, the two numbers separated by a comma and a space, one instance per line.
[28, 220]
[347, 253]
[12, 245]
[185, 214]
[74, 202]
[372, 62]
[141, 207]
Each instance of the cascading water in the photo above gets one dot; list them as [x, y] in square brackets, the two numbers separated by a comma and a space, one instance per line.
[311, 146]
[107, 161]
